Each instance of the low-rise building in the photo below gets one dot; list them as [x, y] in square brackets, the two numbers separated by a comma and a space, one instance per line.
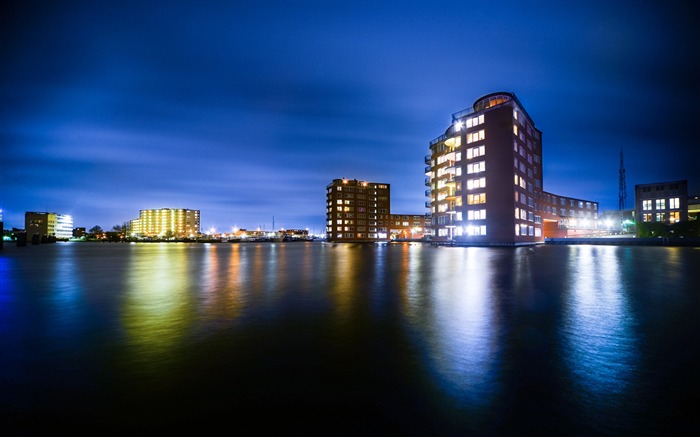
[48, 224]
[665, 202]
[409, 227]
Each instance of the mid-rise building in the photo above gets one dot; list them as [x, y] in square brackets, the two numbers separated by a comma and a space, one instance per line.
[484, 178]
[166, 223]
[357, 211]
[49, 224]
[665, 202]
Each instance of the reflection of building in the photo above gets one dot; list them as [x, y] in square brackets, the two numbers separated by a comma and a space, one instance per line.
[665, 202]
[485, 180]
[357, 211]
[166, 222]
[405, 227]
[48, 224]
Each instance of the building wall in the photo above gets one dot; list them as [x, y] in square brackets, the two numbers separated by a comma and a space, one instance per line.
[357, 211]
[179, 223]
[665, 202]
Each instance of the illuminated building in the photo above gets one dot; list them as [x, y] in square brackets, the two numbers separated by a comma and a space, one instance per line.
[405, 227]
[48, 224]
[357, 211]
[166, 222]
[665, 202]
[484, 178]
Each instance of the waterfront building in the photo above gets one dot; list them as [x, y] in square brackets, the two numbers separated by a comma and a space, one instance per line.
[166, 223]
[409, 227]
[485, 185]
[665, 202]
[357, 211]
[79, 232]
[49, 224]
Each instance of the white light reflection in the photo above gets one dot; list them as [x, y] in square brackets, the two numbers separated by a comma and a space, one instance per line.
[460, 326]
[601, 349]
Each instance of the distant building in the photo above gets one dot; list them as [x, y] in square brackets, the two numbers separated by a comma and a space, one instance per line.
[166, 222]
[617, 220]
[357, 211]
[79, 232]
[485, 181]
[49, 224]
[295, 234]
[409, 227]
[665, 202]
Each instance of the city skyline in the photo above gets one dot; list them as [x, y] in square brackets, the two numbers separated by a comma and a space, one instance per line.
[246, 111]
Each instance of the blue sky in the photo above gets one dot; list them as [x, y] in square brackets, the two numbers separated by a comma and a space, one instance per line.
[247, 110]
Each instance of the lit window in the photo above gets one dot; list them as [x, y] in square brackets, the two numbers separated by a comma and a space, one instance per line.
[646, 205]
[675, 216]
[674, 203]
[660, 203]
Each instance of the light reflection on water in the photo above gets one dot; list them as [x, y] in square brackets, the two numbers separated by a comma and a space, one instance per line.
[601, 345]
[157, 309]
[457, 321]
[569, 337]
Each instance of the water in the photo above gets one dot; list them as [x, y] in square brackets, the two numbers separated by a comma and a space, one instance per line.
[322, 339]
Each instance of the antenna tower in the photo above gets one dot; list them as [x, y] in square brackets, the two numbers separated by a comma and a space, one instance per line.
[622, 195]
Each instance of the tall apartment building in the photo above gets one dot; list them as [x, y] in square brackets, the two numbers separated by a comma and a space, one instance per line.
[485, 179]
[357, 211]
[166, 222]
[48, 224]
[665, 202]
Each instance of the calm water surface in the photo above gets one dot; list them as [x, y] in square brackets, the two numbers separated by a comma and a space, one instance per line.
[323, 339]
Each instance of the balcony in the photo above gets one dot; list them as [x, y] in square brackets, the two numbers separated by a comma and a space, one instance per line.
[427, 204]
[427, 169]
[427, 182]
[427, 193]
[426, 159]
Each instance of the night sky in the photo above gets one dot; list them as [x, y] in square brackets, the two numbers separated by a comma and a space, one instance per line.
[247, 110]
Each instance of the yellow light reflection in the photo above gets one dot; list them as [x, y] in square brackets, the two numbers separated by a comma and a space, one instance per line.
[157, 310]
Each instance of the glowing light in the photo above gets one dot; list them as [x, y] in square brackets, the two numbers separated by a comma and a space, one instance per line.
[458, 125]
